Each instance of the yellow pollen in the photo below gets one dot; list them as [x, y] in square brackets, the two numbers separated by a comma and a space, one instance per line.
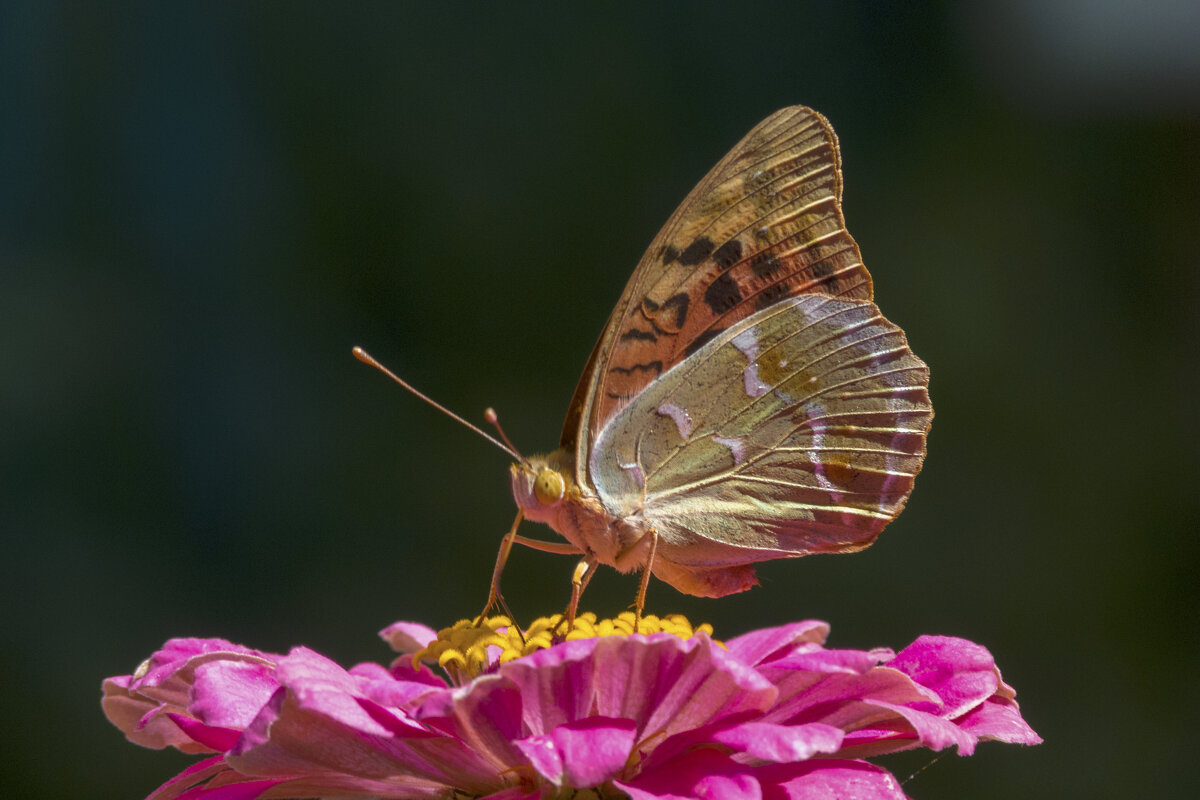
[465, 649]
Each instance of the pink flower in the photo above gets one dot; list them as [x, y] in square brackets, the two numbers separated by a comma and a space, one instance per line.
[772, 714]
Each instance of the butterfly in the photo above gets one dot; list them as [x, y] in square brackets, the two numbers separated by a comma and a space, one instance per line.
[746, 400]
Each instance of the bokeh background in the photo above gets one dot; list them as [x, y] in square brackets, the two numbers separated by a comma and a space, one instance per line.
[202, 208]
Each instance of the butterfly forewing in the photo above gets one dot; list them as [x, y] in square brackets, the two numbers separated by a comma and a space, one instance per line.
[765, 224]
[798, 430]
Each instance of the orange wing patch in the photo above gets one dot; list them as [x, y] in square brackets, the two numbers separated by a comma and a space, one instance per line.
[765, 224]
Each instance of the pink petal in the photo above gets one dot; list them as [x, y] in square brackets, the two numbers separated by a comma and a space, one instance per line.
[230, 693]
[556, 686]
[781, 743]
[999, 720]
[828, 779]
[486, 714]
[213, 738]
[144, 721]
[213, 779]
[318, 751]
[169, 670]
[320, 729]
[700, 774]
[581, 754]
[744, 735]
[962, 673]
[245, 790]
[827, 661]
[140, 704]
[837, 698]
[408, 637]
[931, 731]
[321, 686]
[398, 688]
[196, 774]
[765, 645]
[402, 669]
[661, 682]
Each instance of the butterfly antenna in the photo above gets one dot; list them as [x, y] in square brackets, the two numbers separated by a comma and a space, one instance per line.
[491, 416]
[367, 358]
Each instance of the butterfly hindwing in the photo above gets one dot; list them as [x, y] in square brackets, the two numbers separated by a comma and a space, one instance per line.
[765, 224]
[798, 430]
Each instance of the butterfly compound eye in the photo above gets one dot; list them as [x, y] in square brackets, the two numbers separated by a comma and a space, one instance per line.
[548, 487]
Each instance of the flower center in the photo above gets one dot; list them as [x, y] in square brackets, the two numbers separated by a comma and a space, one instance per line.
[466, 649]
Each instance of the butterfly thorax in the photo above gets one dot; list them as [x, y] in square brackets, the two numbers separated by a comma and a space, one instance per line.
[546, 491]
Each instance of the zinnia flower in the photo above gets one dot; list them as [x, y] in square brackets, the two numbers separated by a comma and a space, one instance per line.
[666, 714]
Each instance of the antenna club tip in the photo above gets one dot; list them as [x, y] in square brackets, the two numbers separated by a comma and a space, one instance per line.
[362, 355]
[494, 419]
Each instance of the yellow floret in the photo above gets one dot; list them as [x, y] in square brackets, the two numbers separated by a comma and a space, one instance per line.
[464, 649]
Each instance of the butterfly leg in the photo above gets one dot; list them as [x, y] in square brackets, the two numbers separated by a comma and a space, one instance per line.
[644, 584]
[582, 576]
[494, 596]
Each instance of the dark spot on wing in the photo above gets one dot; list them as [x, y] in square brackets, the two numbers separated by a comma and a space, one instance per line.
[656, 366]
[669, 254]
[681, 302]
[728, 254]
[723, 294]
[765, 264]
[822, 269]
[702, 340]
[770, 296]
[634, 334]
[696, 252]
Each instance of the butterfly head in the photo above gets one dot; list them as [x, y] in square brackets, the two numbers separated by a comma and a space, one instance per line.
[540, 484]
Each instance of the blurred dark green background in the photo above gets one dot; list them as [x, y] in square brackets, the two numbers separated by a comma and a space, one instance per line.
[203, 209]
